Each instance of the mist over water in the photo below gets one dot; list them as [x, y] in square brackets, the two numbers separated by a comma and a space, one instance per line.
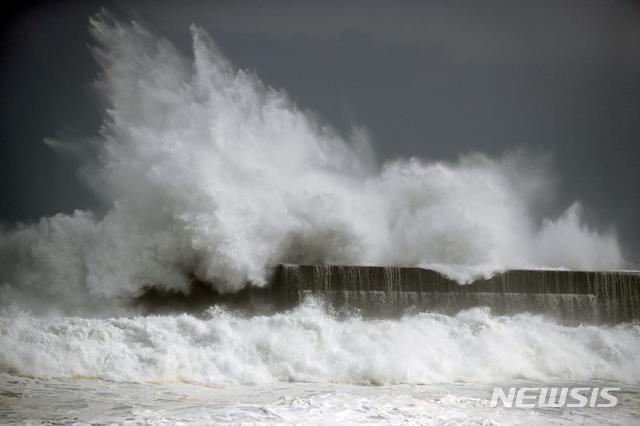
[210, 173]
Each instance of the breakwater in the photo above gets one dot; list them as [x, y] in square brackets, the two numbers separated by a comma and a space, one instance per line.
[384, 291]
[376, 291]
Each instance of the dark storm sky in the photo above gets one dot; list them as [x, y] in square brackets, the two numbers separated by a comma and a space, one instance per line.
[431, 79]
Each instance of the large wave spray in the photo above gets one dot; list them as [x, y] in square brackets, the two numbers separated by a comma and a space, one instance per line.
[211, 173]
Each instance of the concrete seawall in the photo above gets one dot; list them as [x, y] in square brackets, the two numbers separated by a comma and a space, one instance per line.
[384, 292]
[607, 297]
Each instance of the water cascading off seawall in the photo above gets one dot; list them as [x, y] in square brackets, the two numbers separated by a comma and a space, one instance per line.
[386, 292]
[373, 291]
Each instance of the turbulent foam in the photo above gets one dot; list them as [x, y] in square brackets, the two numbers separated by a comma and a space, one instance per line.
[210, 173]
[309, 345]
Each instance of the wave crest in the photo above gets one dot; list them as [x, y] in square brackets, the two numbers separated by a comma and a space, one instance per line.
[312, 346]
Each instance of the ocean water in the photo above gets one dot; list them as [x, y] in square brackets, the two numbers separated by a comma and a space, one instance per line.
[95, 401]
[306, 366]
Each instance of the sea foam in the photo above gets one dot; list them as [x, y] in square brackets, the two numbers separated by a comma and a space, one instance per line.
[309, 345]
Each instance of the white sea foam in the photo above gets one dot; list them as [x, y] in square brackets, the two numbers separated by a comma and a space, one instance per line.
[209, 172]
[308, 345]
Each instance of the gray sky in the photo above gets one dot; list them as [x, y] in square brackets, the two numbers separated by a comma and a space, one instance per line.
[430, 79]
